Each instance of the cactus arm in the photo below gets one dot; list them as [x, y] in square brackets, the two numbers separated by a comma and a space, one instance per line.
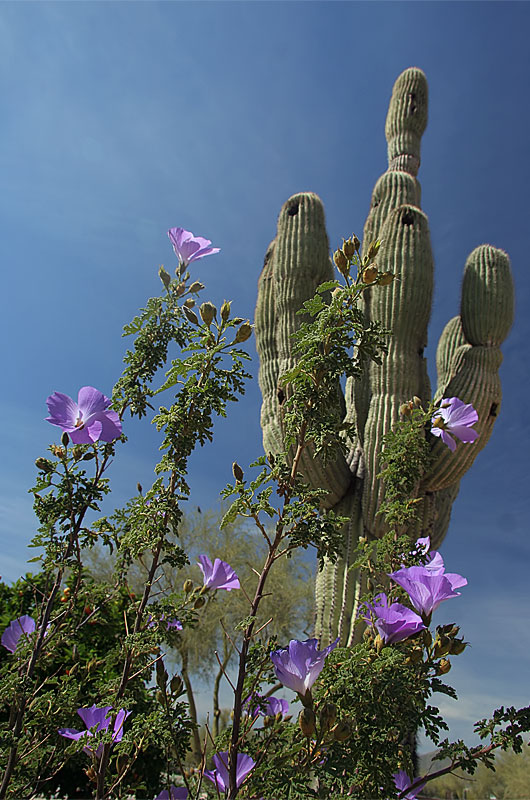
[469, 357]
[265, 326]
[298, 263]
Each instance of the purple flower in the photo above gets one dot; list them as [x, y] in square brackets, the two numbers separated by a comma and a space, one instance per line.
[393, 622]
[402, 781]
[428, 586]
[188, 247]
[218, 575]
[97, 718]
[267, 706]
[86, 421]
[174, 623]
[299, 665]
[454, 417]
[23, 626]
[219, 776]
[174, 793]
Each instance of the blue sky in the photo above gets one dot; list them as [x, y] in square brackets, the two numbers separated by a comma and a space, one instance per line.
[121, 120]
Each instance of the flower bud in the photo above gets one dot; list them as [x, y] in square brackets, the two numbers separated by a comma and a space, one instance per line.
[341, 262]
[190, 316]
[207, 311]
[370, 274]
[160, 696]
[187, 585]
[450, 630]
[386, 279]
[327, 716]
[350, 246]
[161, 673]
[243, 333]
[405, 410]
[200, 601]
[427, 637]
[139, 487]
[378, 643]
[225, 310]
[77, 452]
[457, 646]
[237, 472]
[196, 286]
[57, 451]
[307, 721]
[165, 277]
[65, 439]
[176, 685]
[181, 288]
[341, 731]
[417, 401]
[189, 302]
[237, 320]
[44, 464]
[444, 666]
[373, 249]
[442, 645]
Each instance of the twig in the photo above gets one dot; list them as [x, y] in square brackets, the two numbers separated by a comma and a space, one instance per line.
[229, 637]
[224, 671]
[255, 633]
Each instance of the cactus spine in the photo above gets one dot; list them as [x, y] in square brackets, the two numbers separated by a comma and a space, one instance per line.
[468, 354]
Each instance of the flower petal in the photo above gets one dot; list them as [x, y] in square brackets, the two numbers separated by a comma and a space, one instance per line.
[108, 426]
[464, 433]
[91, 400]
[95, 716]
[63, 410]
[72, 733]
[22, 626]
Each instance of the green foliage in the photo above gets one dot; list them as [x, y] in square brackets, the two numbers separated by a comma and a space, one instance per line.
[79, 662]
[337, 343]
[405, 456]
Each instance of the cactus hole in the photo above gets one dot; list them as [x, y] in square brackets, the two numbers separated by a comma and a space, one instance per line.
[493, 410]
[407, 218]
[281, 396]
[293, 210]
[412, 103]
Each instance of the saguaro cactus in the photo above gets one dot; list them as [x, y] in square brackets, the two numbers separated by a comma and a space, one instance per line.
[468, 355]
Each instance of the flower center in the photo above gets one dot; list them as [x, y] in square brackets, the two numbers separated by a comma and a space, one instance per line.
[79, 422]
[439, 423]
